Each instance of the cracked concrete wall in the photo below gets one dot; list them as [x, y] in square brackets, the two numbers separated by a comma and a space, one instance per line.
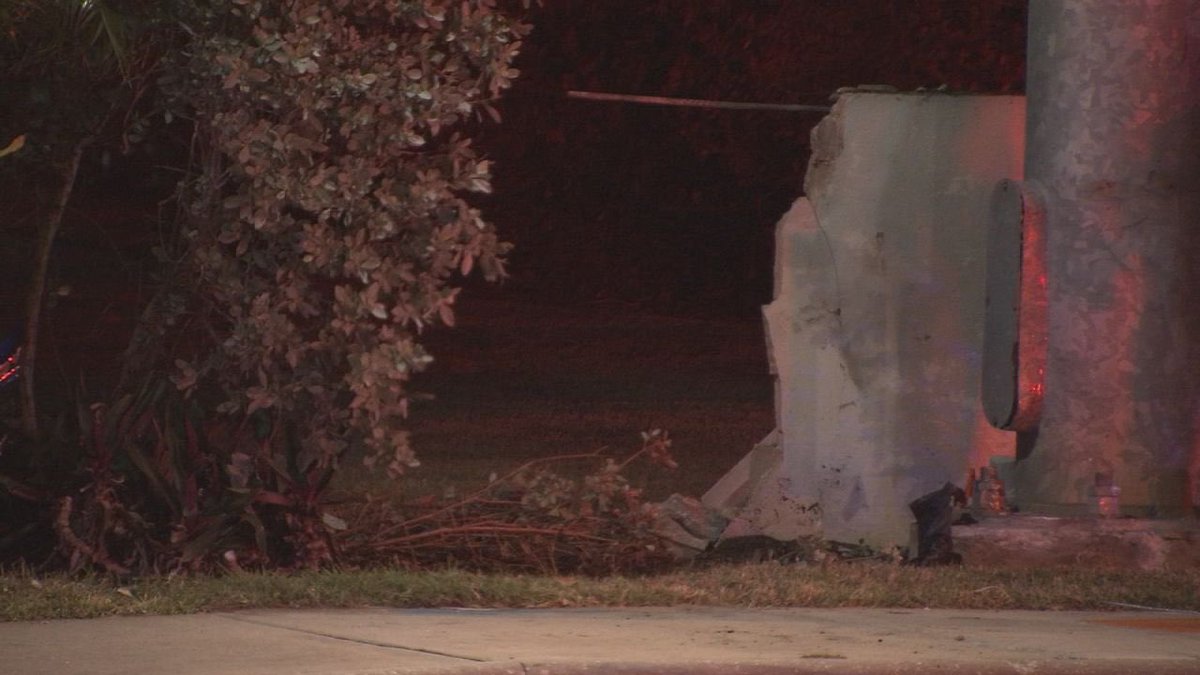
[876, 329]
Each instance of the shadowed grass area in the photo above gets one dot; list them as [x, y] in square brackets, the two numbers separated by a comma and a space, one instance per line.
[517, 380]
[24, 597]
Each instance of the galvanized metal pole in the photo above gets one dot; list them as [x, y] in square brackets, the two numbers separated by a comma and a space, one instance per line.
[1113, 144]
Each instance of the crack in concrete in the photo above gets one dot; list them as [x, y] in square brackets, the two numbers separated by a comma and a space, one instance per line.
[360, 641]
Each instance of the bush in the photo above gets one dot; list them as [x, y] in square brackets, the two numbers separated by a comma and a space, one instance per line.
[165, 487]
[328, 217]
[324, 219]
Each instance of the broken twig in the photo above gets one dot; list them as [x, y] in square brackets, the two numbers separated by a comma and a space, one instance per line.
[695, 102]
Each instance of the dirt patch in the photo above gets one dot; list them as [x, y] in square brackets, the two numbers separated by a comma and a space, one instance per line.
[1173, 624]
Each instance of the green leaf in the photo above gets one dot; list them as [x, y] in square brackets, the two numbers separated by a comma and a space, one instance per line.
[15, 145]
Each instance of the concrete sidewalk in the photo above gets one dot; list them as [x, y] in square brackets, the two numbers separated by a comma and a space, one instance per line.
[675, 640]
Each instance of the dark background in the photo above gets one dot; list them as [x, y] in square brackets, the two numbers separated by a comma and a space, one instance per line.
[674, 209]
[643, 235]
[667, 210]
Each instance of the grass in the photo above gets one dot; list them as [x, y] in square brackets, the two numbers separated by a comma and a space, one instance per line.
[24, 597]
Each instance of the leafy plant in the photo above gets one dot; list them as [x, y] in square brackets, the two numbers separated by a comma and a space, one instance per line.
[326, 218]
[166, 488]
[323, 221]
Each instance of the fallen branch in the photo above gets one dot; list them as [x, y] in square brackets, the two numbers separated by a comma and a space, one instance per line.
[475, 496]
[530, 518]
[490, 529]
[695, 102]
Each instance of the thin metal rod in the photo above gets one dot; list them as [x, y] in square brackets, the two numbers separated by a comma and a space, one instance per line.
[694, 102]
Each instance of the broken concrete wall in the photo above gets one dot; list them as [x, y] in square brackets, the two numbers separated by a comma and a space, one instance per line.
[876, 330]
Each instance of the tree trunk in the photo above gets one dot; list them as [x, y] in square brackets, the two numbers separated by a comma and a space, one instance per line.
[37, 289]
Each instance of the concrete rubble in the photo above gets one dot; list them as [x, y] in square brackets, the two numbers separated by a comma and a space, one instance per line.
[688, 525]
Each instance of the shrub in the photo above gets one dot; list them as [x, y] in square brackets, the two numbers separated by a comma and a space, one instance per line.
[328, 216]
[167, 488]
[324, 220]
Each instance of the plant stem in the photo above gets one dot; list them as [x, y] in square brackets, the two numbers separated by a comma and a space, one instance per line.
[37, 288]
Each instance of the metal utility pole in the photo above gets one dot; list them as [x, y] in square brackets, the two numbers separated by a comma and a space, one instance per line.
[1113, 148]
